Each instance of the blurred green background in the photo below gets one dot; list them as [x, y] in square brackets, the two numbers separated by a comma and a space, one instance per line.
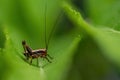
[83, 49]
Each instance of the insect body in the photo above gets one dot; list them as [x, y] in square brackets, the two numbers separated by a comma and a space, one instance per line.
[35, 54]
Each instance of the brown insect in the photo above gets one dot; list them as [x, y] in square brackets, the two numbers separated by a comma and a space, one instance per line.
[35, 54]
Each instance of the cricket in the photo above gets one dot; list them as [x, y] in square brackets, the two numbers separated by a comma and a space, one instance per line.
[31, 54]
[35, 54]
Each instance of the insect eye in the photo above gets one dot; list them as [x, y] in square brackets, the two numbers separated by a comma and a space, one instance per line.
[23, 42]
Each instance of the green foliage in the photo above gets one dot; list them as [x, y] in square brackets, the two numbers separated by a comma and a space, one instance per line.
[83, 51]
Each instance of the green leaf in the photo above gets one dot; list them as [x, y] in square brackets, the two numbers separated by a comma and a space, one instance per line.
[21, 21]
[107, 38]
[17, 66]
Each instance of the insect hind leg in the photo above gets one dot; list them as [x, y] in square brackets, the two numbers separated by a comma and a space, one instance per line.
[49, 56]
[47, 59]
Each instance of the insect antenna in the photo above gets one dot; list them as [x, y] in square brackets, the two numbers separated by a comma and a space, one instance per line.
[45, 24]
[53, 28]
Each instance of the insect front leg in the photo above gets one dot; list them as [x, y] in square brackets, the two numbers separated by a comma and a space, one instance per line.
[27, 58]
[31, 60]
